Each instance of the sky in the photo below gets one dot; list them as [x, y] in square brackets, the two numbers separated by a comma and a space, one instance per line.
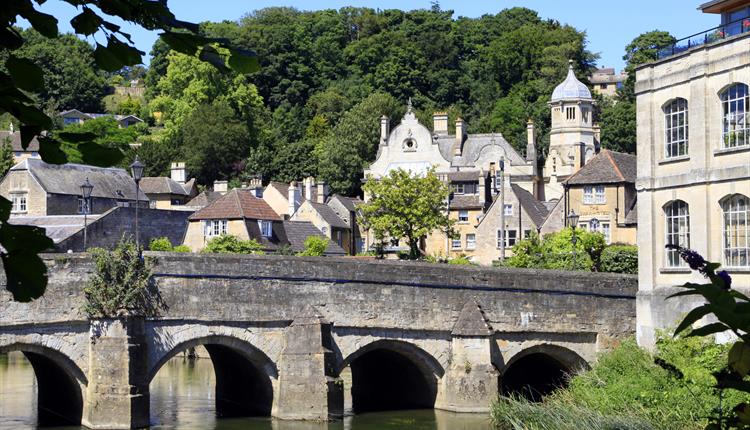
[610, 25]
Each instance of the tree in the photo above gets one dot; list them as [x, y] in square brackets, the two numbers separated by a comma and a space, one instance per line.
[26, 273]
[556, 251]
[6, 156]
[642, 49]
[315, 246]
[405, 205]
[228, 244]
[618, 126]
[105, 132]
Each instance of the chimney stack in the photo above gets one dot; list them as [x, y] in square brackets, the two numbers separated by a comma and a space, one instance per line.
[530, 141]
[309, 181]
[293, 198]
[385, 129]
[460, 131]
[322, 192]
[178, 173]
[257, 186]
[440, 123]
[597, 137]
[481, 188]
[221, 187]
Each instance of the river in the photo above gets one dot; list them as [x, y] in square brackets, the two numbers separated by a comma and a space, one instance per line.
[182, 397]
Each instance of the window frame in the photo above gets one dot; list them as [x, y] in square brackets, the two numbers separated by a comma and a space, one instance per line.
[508, 209]
[266, 228]
[510, 239]
[456, 243]
[737, 95]
[676, 128]
[461, 216]
[19, 203]
[733, 214]
[215, 227]
[473, 243]
[676, 213]
[82, 205]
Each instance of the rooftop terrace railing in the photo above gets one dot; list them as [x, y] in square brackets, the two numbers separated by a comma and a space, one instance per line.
[717, 33]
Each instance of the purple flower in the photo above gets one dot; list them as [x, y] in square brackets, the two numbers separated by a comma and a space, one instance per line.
[726, 278]
[693, 259]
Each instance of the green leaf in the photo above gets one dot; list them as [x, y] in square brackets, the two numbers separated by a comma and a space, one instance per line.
[77, 137]
[10, 39]
[739, 358]
[87, 22]
[42, 22]
[26, 75]
[28, 132]
[107, 60]
[243, 61]
[29, 116]
[24, 238]
[26, 275]
[184, 43]
[125, 53]
[98, 155]
[692, 316]
[5, 208]
[49, 150]
[709, 329]
[210, 55]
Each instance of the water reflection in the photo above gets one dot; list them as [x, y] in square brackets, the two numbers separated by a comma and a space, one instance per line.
[182, 397]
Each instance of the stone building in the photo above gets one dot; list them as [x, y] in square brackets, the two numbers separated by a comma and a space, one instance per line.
[325, 219]
[693, 163]
[13, 138]
[606, 82]
[346, 208]
[74, 116]
[36, 188]
[169, 192]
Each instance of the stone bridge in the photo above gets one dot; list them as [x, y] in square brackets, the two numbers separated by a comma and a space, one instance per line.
[315, 338]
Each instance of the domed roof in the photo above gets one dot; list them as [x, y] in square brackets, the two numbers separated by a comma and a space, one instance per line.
[571, 88]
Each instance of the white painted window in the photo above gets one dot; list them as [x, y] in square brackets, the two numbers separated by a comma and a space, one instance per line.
[84, 206]
[676, 128]
[508, 209]
[18, 203]
[677, 218]
[735, 102]
[588, 195]
[599, 196]
[463, 216]
[593, 195]
[736, 229]
[510, 238]
[606, 232]
[456, 243]
[594, 225]
[471, 241]
[215, 227]
[266, 228]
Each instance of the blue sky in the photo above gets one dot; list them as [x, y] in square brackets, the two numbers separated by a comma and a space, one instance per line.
[610, 25]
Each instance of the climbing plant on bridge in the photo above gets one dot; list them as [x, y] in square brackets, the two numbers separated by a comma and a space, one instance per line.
[26, 273]
[122, 283]
[730, 309]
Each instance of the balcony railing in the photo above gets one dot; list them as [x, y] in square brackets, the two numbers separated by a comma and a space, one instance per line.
[717, 33]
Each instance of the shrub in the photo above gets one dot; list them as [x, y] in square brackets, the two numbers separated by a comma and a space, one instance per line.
[285, 250]
[620, 259]
[182, 248]
[160, 244]
[315, 246]
[460, 261]
[556, 251]
[228, 244]
[120, 283]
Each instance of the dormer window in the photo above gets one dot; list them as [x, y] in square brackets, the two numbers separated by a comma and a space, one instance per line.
[266, 228]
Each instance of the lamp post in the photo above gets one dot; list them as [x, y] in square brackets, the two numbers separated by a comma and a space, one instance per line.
[86, 189]
[573, 222]
[136, 169]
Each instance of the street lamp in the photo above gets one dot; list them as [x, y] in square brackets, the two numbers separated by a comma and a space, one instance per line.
[573, 222]
[86, 189]
[136, 169]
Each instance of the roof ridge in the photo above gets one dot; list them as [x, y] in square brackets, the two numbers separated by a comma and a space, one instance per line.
[614, 164]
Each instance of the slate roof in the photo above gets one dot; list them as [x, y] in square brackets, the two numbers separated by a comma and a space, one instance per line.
[66, 179]
[607, 167]
[164, 185]
[203, 199]
[632, 216]
[297, 231]
[98, 115]
[15, 142]
[236, 204]
[464, 176]
[465, 201]
[57, 227]
[350, 203]
[536, 210]
[329, 215]
[571, 88]
[473, 146]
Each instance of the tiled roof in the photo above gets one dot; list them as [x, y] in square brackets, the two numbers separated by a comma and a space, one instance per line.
[203, 199]
[15, 141]
[465, 201]
[162, 185]
[536, 210]
[236, 204]
[67, 179]
[607, 167]
[297, 231]
[329, 215]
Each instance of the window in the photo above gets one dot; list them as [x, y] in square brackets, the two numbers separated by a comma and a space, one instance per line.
[456, 243]
[339, 238]
[736, 231]
[84, 206]
[471, 241]
[677, 230]
[266, 228]
[464, 188]
[735, 125]
[18, 203]
[603, 86]
[508, 209]
[594, 225]
[463, 216]
[606, 232]
[526, 234]
[570, 113]
[510, 238]
[215, 227]
[594, 195]
[676, 128]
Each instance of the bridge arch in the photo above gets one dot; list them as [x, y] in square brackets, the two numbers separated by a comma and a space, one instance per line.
[392, 374]
[538, 370]
[60, 384]
[245, 375]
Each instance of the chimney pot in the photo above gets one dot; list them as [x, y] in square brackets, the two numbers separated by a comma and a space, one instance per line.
[460, 133]
[440, 123]
[385, 129]
[177, 172]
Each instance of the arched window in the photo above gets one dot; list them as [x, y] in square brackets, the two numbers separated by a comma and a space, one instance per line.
[735, 123]
[594, 225]
[736, 231]
[677, 230]
[676, 128]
